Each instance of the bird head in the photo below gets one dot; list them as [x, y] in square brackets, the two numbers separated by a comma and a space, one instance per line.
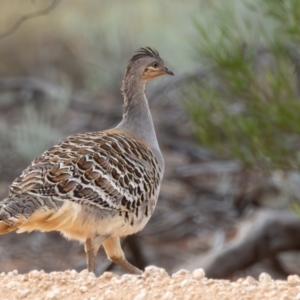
[147, 64]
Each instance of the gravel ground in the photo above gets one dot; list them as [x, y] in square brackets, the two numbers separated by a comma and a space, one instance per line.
[155, 283]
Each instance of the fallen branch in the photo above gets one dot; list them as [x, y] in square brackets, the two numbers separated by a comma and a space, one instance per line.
[53, 91]
[209, 167]
[268, 234]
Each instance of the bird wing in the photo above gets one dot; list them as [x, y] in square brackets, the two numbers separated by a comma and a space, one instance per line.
[106, 169]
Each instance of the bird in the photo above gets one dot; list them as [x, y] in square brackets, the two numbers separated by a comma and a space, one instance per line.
[96, 187]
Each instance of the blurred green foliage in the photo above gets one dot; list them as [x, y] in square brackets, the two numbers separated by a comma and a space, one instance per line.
[248, 104]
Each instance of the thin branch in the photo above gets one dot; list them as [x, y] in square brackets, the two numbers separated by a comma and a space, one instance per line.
[24, 18]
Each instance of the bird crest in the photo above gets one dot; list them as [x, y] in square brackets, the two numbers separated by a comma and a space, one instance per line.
[144, 52]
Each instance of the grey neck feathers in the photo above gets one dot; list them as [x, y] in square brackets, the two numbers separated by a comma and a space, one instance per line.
[137, 118]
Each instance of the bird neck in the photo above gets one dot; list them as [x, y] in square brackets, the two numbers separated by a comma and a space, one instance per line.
[137, 118]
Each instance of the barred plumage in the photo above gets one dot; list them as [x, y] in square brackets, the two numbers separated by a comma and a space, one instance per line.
[99, 186]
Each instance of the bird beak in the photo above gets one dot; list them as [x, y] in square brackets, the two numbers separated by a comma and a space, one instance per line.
[167, 71]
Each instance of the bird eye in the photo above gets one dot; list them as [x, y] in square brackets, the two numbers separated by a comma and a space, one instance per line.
[155, 65]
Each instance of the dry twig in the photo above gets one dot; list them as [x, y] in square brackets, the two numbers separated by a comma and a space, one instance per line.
[24, 18]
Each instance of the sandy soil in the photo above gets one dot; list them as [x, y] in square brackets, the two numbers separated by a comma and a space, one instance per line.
[155, 283]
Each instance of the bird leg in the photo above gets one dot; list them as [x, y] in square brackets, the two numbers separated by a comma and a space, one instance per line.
[115, 253]
[90, 254]
[91, 248]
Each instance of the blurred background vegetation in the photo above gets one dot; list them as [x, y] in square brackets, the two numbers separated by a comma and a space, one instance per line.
[248, 106]
[227, 122]
[81, 46]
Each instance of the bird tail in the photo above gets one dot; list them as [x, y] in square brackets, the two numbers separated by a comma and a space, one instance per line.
[15, 211]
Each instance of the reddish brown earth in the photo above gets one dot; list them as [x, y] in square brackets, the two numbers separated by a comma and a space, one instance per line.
[155, 283]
